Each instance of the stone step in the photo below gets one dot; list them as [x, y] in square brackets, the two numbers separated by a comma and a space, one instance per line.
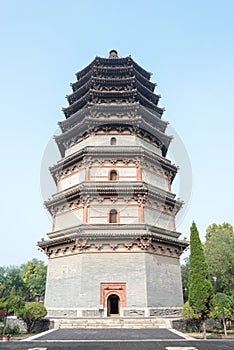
[111, 323]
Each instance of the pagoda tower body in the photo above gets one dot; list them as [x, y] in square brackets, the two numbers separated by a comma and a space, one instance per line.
[113, 249]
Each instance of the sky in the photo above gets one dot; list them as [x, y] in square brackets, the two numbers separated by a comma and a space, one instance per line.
[187, 45]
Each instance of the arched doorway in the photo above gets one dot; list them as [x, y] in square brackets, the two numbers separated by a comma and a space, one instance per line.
[113, 305]
[109, 289]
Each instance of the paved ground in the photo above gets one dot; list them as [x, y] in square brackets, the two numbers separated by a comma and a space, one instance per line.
[116, 339]
[109, 334]
[144, 345]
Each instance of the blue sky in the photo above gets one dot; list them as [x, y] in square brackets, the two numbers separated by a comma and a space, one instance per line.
[187, 45]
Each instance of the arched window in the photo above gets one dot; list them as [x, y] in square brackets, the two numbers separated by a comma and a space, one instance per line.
[113, 175]
[113, 141]
[113, 216]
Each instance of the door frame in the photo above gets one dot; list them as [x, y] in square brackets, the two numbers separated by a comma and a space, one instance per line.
[117, 288]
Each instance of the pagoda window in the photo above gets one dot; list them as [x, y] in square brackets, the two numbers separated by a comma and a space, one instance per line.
[113, 216]
[113, 176]
[113, 141]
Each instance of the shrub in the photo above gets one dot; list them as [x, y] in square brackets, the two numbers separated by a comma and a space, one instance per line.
[12, 331]
[11, 304]
[32, 312]
[189, 314]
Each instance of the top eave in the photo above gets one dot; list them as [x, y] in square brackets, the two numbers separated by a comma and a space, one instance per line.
[100, 60]
[85, 70]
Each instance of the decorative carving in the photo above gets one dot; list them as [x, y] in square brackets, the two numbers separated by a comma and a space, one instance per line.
[82, 244]
[126, 161]
[85, 200]
[132, 129]
[72, 248]
[100, 199]
[129, 245]
[58, 175]
[57, 251]
[141, 199]
[126, 199]
[143, 243]
[53, 210]
[114, 199]
[113, 161]
[64, 250]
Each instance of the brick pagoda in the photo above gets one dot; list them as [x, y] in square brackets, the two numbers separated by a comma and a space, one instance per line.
[113, 249]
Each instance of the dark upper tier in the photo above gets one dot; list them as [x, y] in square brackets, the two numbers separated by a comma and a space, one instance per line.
[112, 80]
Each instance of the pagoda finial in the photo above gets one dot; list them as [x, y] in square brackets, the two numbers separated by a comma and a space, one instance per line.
[113, 54]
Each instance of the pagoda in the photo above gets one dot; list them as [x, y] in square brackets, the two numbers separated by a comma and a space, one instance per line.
[113, 249]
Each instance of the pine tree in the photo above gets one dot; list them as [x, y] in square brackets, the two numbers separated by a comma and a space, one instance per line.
[200, 288]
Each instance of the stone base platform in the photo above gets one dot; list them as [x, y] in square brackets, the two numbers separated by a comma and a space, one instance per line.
[110, 322]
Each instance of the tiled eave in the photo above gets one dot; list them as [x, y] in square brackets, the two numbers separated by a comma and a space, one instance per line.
[114, 83]
[131, 73]
[89, 124]
[110, 232]
[91, 94]
[134, 109]
[131, 96]
[115, 152]
[113, 188]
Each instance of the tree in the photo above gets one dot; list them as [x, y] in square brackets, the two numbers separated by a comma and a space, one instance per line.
[11, 304]
[11, 276]
[200, 288]
[27, 281]
[32, 312]
[219, 251]
[34, 277]
[223, 307]
[185, 277]
[2, 275]
[215, 229]
[2, 290]
[189, 314]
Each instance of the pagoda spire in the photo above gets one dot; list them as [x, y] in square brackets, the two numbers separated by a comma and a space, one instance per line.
[113, 54]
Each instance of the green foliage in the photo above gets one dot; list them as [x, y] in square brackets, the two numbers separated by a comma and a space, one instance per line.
[2, 290]
[223, 306]
[223, 309]
[32, 312]
[2, 275]
[34, 277]
[189, 314]
[200, 287]
[185, 277]
[27, 281]
[10, 277]
[215, 229]
[219, 251]
[14, 279]
[12, 331]
[11, 304]
[9, 330]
